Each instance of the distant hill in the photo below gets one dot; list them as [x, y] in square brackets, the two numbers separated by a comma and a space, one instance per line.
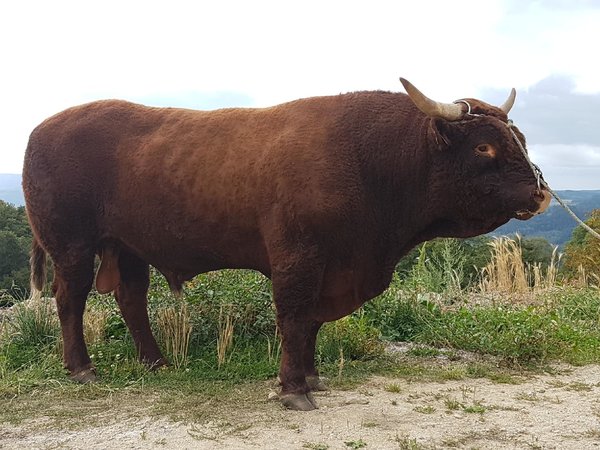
[555, 225]
[10, 189]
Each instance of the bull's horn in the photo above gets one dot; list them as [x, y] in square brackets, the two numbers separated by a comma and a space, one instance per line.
[510, 101]
[448, 111]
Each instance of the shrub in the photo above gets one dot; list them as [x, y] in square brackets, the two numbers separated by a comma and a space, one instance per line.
[35, 323]
[400, 315]
[351, 336]
[175, 330]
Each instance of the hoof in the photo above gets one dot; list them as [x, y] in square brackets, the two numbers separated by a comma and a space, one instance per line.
[315, 383]
[298, 402]
[84, 376]
[159, 364]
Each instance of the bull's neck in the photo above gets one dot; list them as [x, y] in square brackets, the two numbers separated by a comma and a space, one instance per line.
[398, 172]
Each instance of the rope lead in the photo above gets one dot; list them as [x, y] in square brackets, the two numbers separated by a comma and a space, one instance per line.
[540, 181]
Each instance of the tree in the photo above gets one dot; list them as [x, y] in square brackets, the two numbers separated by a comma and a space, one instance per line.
[15, 241]
[583, 250]
[536, 250]
[13, 218]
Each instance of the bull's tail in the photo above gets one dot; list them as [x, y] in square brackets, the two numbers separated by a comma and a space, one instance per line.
[38, 268]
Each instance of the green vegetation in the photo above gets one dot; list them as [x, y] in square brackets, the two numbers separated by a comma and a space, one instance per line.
[15, 241]
[582, 253]
[448, 296]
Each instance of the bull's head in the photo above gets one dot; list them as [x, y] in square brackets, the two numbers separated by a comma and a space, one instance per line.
[481, 161]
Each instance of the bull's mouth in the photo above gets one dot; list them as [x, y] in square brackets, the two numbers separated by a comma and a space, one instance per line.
[524, 214]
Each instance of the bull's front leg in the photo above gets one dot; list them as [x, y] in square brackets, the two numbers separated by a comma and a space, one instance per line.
[295, 391]
[296, 290]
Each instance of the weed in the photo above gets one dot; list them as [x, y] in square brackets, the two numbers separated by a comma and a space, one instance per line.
[225, 336]
[315, 446]
[341, 364]
[355, 444]
[452, 404]
[354, 335]
[393, 387]
[406, 443]
[175, 330]
[35, 323]
[528, 396]
[579, 387]
[503, 378]
[94, 325]
[506, 270]
[424, 409]
[475, 408]
[274, 347]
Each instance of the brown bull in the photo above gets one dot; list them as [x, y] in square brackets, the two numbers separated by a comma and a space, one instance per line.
[323, 195]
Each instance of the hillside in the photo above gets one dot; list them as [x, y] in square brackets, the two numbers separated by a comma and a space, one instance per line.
[555, 225]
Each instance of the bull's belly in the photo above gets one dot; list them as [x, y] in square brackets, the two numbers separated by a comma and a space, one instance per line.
[344, 291]
[191, 253]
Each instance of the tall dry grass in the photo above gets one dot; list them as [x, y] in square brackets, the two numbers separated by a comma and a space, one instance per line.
[585, 278]
[507, 273]
[175, 330]
[94, 325]
[274, 347]
[541, 279]
[225, 336]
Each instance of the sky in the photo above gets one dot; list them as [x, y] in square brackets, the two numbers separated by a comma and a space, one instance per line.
[211, 54]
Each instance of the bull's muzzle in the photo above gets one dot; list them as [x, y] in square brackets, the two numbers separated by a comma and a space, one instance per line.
[542, 197]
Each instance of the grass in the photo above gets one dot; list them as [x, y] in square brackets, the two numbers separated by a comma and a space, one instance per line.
[452, 404]
[425, 409]
[407, 443]
[359, 443]
[175, 330]
[225, 337]
[393, 388]
[223, 342]
[475, 408]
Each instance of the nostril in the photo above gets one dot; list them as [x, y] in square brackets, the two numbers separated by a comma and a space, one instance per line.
[538, 195]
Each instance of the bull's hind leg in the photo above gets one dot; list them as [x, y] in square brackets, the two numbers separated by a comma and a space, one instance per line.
[73, 279]
[131, 295]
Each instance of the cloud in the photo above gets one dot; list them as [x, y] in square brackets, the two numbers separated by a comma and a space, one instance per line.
[552, 112]
[568, 166]
[561, 126]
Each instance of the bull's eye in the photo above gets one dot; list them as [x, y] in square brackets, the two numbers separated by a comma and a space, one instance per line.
[485, 150]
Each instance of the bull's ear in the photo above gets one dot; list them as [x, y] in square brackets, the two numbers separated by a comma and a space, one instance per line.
[440, 134]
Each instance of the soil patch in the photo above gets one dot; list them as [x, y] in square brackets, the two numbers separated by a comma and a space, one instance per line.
[543, 411]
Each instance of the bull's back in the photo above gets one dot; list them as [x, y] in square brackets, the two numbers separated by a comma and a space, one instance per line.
[176, 186]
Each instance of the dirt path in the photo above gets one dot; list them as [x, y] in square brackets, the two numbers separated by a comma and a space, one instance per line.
[549, 412]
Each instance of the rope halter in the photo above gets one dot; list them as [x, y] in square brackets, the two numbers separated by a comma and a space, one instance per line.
[537, 173]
